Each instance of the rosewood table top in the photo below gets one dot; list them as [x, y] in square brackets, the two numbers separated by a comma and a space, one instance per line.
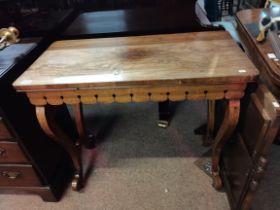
[186, 58]
[185, 66]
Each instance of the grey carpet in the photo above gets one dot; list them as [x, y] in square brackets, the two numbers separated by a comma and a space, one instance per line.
[138, 166]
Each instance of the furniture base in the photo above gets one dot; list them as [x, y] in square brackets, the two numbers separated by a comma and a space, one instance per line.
[46, 193]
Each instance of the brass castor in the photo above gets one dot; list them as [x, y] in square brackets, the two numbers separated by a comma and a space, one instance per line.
[163, 123]
[77, 182]
[217, 181]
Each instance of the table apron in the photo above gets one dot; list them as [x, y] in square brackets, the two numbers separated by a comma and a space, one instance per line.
[138, 94]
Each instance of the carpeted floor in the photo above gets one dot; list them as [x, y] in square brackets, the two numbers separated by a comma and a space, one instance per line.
[138, 165]
[267, 197]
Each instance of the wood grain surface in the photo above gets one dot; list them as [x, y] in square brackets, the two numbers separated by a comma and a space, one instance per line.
[248, 29]
[186, 58]
[175, 67]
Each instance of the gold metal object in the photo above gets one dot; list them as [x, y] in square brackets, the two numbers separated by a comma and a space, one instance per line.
[8, 36]
[10, 174]
[76, 182]
[162, 123]
[261, 36]
[264, 26]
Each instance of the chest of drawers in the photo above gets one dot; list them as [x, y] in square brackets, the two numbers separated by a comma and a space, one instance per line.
[29, 161]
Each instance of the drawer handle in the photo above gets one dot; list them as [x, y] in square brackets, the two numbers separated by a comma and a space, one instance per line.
[2, 151]
[10, 174]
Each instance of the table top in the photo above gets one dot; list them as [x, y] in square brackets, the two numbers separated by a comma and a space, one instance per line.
[188, 58]
[186, 17]
[249, 16]
[248, 21]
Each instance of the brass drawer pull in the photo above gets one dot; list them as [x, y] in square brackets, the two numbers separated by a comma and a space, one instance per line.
[2, 151]
[10, 174]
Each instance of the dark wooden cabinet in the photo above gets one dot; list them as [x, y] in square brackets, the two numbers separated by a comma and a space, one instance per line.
[21, 175]
[4, 131]
[245, 158]
[29, 161]
[10, 152]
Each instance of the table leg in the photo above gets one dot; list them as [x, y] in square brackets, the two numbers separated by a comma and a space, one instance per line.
[164, 114]
[87, 140]
[78, 180]
[228, 126]
[46, 119]
[208, 139]
[83, 140]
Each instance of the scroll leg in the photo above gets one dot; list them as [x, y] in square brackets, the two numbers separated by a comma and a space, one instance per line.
[208, 139]
[46, 118]
[229, 124]
[164, 114]
[83, 140]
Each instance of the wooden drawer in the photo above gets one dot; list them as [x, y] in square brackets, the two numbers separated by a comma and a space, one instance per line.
[10, 152]
[18, 176]
[4, 131]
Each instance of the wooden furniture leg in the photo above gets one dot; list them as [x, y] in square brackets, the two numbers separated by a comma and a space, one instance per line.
[46, 118]
[208, 139]
[164, 114]
[229, 124]
[77, 183]
[84, 139]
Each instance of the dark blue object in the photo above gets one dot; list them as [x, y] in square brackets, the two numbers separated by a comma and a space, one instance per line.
[212, 10]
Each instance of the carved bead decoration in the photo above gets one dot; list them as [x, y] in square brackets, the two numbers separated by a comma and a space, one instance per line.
[126, 95]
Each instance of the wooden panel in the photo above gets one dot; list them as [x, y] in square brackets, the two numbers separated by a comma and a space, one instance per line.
[4, 131]
[187, 58]
[18, 175]
[255, 125]
[243, 167]
[45, 192]
[10, 152]
[134, 94]
[269, 107]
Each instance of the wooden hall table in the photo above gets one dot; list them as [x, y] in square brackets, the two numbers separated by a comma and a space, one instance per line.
[185, 66]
